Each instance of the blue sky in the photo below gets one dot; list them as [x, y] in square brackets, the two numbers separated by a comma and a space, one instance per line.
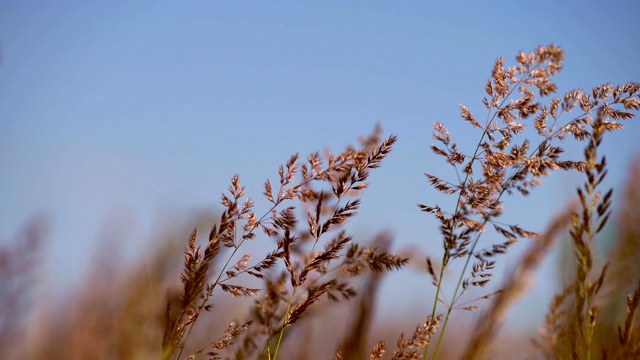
[114, 113]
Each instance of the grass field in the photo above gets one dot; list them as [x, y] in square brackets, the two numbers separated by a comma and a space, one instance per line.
[313, 294]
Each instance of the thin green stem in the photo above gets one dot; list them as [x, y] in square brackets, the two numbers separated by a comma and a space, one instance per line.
[435, 305]
[455, 295]
[446, 256]
[284, 324]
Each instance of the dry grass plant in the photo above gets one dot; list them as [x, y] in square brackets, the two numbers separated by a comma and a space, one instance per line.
[505, 161]
[315, 259]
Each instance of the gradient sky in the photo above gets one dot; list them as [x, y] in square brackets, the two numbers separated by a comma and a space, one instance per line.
[115, 112]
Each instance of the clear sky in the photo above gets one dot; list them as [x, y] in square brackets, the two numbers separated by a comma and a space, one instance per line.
[114, 112]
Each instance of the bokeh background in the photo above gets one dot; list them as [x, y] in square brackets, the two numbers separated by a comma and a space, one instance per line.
[121, 119]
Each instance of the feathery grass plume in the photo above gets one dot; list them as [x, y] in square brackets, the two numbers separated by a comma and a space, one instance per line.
[410, 349]
[595, 208]
[196, 294]
[327, 212]
[594, 215]
[499, 165]
[233, 331]
[324, 190]
[514, 287]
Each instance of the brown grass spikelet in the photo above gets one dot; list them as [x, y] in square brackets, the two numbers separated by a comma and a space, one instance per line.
[314, 293]
[629, 336]
[232, 332]
[378, 351]
[410, 349]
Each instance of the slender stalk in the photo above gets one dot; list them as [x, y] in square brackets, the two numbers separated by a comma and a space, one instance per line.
[284, 324]
[454, 298]
[470, 254]
[446, 256]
